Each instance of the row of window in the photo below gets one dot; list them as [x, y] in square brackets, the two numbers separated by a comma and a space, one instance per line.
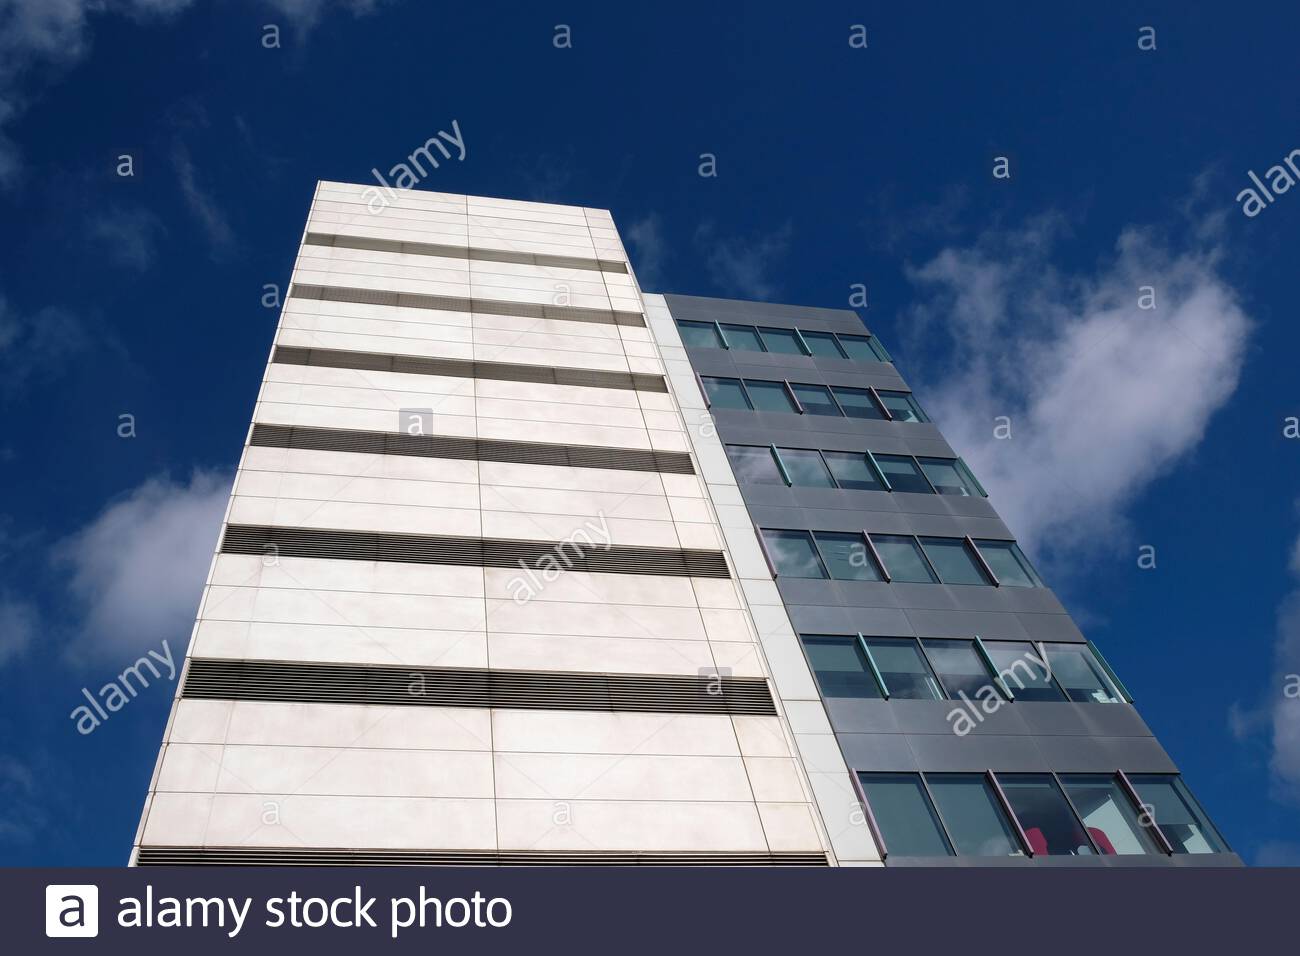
[749, 338]
[897, 558]
[906, 668]
[853, 470]
[1036, 814]
[837, 400]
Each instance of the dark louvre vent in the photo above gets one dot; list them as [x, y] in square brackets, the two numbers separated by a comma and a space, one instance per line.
[462, 252]
[220, 679]
[463, 368]
[310, 856]
[413, 300]
[473, 449]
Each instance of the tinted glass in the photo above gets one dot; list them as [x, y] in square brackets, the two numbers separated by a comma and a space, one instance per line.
[1050, 825]
[903, 813]
[840, 666]
[954, 561]
[823, 344]
[769, 396]
[903, 558]
[699, 335]
[903, 475]
[858, 348]
[852, 470]
[1079, 674]
[857, 403]
[905, 672]
[1109, 815]
[1177, 814]
[754, 465]
[793, 554]
[781, 340]
[725, 392]
[1008, 563]
[846, 556]
[960, 667]
[973, 816]
[902, 406]
[946, 477]
[806, 467]
[743, 337]
[815, 399]
[1019, 665]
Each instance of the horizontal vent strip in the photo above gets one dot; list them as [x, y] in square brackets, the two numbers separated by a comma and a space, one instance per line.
[448, 303]
[310, 856]
[465, 368]
[213, 679]
[472, 552]
[470, 449]
[463, 252]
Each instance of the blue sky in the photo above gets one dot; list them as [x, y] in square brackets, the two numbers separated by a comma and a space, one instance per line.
[1016, 297]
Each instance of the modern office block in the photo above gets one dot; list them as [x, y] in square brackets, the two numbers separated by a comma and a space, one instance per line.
[524, 566]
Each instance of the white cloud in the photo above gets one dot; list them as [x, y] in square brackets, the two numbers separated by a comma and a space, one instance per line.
[136, 571]
[37, 346]
[18, 622]
[647, 240]
[1282, 705]
[205, 208]
[742, 266]
[305, 14]
[130, 235]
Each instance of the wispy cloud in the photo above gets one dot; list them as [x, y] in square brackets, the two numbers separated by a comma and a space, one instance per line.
[129, 235]
[200, 202]
[18, 623]
[306, 14]
[742, 265]
[38, 346]
[651, 251]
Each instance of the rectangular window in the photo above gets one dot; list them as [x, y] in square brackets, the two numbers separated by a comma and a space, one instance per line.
[902, 406]
[1109, 815]
[902, 811]
[857, 403]
[1177, 814]
[725, 392]
[1050, 825]
[743, 337]
[816, 399]
[960, 667]
[754, 465]
[793, 554]
[859, 348]
[781, 340]
[903, 668]
[903, 475]
[823, 345]
[841, 666]
[1080, 674]
[1008, 563]
[769, 396]
[946, 477]
[699, 335]
[954, 561]
[845, 555]
[852, 470]
[1020, 667]
[903, 559]
[806, 468]
[973, 815]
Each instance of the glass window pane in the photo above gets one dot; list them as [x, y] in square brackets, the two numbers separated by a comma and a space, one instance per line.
[954, 561]
[743, 337]
[858, 348]
[852, 470]
[946, 477]
[1049, 824]
[974, 817]
[840, 666]
[906, 674]
[1008, 563]
[1078, 672]
[816, 399]
[1021, 668]
[1177, 814]
[699, 335]
[846, 556]
[902, 406]
[781, 340]
[793, 554]
[823, 345]
[960, 667]
[725, 392]
[1109, 815]
[769, 396]
[903, 813]
[806, 467]
[903, 558]
[857, 403]
[754, 465]
[903, 475]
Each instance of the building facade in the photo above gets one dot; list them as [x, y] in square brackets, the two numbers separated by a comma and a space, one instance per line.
[523, 565]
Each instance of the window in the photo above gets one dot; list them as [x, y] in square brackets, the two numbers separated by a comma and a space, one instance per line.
[823, 345]
[1050, 825]
[699, 335]
[1177, 814]
[743, 337]
[959, 665]
[816, 399]
[1019, 666]
[903, 669]
[793, 554]
[805, 467]
[954, 561]
[947, 478]
[973, 815]
[841, 666]
[725, 393]
[1080, 674]
[903, 475]
[852, 470]
[782, 340]
[1008, 563]
[845, 555]
[857, 402]
[1109, 815]
[902, 812]
[903, 559]
[902, 406]
[862, 348]
[769, 396]
[754, 465]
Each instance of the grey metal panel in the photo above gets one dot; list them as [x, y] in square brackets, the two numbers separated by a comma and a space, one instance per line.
[769, 313]
[854, 716]
[806, 591]
[1114, 720]
[991, 626]
[1050, 627]
[936, 717]
[975, 753]
[1106, 754]
[877, 752]
[874, 621]
[1052, 719]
